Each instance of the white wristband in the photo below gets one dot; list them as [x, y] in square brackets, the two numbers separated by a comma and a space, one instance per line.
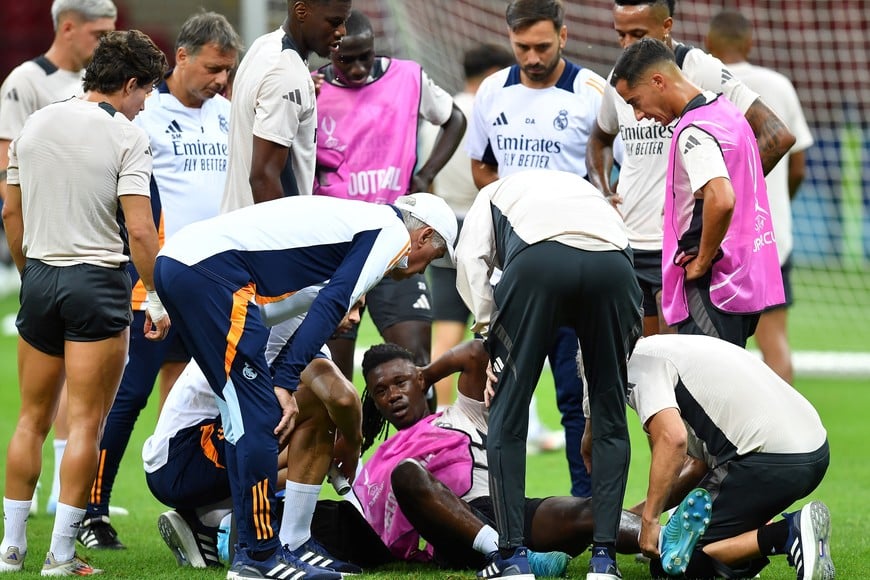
[155, 306]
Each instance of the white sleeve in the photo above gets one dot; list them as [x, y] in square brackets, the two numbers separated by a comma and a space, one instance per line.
[277, 117]
[19, 101]
[607, 118]
[134, 176]
[710, 74]
[701, 156]
[475, 261]
[477, 134]
[436, 104]
[795, 120]
[651, 383]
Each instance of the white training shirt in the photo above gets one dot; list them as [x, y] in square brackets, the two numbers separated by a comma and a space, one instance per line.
[728, 397]
[73, 160]
[778, 94]
[470, 417]
[190, 156]
[642, 174]
[273, 99]
[520, 128]
[454, 182]
[31, 86]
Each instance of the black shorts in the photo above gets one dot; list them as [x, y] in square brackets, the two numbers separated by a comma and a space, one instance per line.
[648, 270]
[705, 318]
[345, 534]
[447, 304]
[394, 301]
[786, 285]
[177, 352]
[81, 303]
[749, 491]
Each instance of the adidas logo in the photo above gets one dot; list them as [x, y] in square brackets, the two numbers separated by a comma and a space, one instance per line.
[691, 143]
[497, 365]
[500, 120]
[12, 95]
[422, 303]
[174, 130]
[726, 76]
[294, 96]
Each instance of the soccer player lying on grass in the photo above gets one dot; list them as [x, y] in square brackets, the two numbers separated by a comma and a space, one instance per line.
[425, 491]
[758, 447]
[185, 461]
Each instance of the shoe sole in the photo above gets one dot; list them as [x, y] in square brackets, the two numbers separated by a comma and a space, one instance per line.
[179, 538]
[688, 523]
[597, 576]
[816, 525]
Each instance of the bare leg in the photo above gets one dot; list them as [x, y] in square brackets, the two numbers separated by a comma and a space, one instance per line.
[40, 379]
[565, 524]
[736, 550]
[169, 373]
[772, 338]
[93, 371]
[61, 426]
[445, 335]
[663, 326]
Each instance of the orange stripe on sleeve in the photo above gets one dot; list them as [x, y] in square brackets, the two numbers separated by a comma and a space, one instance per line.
[241, 299]
[208, 448]
[405, 251]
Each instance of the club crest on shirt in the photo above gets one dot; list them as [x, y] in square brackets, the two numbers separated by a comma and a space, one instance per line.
[224, 124]
[248, 372]
[560, 123]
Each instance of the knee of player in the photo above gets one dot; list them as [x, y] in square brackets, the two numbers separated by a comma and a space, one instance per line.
[409, 479]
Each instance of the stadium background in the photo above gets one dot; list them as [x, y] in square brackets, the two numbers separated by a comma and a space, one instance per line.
[821, 45]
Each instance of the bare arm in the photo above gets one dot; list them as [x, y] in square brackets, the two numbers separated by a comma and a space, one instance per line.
[774, 138]
[796, 172]
[13, 221]
[599, 159]
[445, 145]
[267, 164]
[668, 436]
[144, 245]
[469, 359]
[718, 207]
[483, 173]
[343, 405]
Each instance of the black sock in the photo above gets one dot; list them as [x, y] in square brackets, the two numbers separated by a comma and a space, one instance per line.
[772, 538]
[609, 546]
[506, 553]
[261, 556]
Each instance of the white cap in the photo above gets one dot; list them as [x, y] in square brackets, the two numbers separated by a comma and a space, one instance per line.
[434, 212]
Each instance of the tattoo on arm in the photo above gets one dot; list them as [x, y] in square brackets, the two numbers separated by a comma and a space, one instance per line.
[774, 138]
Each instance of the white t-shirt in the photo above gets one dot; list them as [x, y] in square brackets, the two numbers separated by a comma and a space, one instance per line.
[190, 156]
[520, 128]
[728, 397]
[642, 175]
[31, 86]
[470, 417]
[778, 94]
[273, 98]
[73, 160]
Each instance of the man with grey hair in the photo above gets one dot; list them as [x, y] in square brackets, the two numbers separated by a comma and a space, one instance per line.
[51, 77]
[187, 121]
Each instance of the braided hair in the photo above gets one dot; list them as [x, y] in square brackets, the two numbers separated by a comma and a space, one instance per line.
[374, 425]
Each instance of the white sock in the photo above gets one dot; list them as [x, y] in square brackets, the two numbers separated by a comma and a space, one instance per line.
[300, 499]
[15, 514]
[59, 448]
[536, 427]
[66, 526]
[486, 540]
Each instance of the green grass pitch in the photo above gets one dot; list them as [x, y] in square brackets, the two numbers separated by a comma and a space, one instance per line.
[842, 404]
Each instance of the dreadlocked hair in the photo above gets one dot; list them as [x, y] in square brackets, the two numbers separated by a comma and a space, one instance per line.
[374, 425]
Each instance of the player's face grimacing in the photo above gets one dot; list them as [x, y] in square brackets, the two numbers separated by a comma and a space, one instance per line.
[354, 59]
[398, 391]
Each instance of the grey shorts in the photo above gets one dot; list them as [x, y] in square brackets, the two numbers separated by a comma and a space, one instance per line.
[648, 270]
[81, 303]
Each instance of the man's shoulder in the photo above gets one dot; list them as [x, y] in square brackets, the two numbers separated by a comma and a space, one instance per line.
[499, 80]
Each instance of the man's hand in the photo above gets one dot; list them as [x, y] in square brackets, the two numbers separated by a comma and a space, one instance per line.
[696, 268]
[157, 321]
[586, 445]
[649, 538]
[289, 411]
[489, 390]
[346, 456]
[318, 79]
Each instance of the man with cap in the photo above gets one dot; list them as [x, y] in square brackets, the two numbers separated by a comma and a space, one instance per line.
[266, 253]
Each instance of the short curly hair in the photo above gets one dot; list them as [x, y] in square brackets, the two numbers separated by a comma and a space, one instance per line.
[120, 56]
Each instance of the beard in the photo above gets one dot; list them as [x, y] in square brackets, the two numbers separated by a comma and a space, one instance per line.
[542, 71]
